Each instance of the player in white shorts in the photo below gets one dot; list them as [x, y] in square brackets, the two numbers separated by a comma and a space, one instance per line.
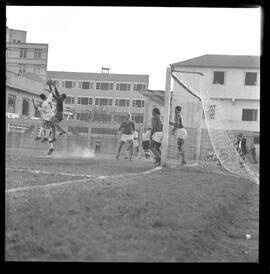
[47, 113]
[156, 135]
[181, 133]
[126, 129]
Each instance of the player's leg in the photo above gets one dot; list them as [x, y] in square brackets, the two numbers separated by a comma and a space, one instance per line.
[51, 148]
[119, 149]
[47, 131]
[59, 116]
[147, 152]
[53, 132]
[60, 129]
[158, 145]
[127, 151]
[180, 143]
[153, 148]
[41, 132]
[130, 149]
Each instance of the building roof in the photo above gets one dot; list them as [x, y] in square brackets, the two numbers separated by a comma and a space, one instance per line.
[223, 61]
[97, 76]
[157, 96]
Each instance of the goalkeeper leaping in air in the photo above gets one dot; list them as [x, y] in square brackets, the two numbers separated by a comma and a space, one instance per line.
[181, 132]
[58, 117]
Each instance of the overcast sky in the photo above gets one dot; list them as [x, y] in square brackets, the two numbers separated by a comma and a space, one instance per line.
[136, 40]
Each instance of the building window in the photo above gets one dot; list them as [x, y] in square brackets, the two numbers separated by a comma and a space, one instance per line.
[219, 77]
[23, 53]
[122, 86]
[249, 114]
[104, 86]
[122, 102]
[22, 68]
[137, 118]
[138, 103]
[251, 79]
[70, 100]
[119, 117]
[11, 103]
[86, 85]
[25, 107]
[37, 53]
[36, 68]
[85, 101]
[139, 87]
[83, 116]
[68, 84]
[103, 102]
[106, 131]
[256, 140]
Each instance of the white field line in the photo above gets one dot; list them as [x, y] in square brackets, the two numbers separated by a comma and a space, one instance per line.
[50, 173]
[80, 181]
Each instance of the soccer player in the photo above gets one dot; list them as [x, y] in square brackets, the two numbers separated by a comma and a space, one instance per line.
[47, 113]
[241, 148]
[156, 135]
[146, 142]
[181, 132]
[126, 130]
[136, 142]
[253, 152]
[58, 117]
[97, 144]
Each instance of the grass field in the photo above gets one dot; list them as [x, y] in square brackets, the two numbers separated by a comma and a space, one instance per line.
[95, 209]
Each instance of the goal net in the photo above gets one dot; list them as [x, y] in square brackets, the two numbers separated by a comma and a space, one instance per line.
[210, 136]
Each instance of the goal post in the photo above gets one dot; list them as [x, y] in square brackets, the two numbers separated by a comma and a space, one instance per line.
[207, 123]
[166, 117]
[168, 114]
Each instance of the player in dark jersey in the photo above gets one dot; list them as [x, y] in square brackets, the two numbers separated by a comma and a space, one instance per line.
[58, 117]
[156, 135]
[181, 132]
[126, 129]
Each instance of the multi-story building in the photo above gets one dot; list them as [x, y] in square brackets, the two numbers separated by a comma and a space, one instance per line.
[23, 57]
[232, 81]
[20, 91]
[101, 100]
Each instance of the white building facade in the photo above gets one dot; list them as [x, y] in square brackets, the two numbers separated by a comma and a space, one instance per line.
[233, 83]
[23, 57]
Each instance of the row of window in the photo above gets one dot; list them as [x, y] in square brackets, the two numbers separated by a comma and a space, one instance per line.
[105, 101]
[102, 117]
[250, 78]
[247, 114]
[37, 53]
[100, 85]
[98, 102]
[36, 68]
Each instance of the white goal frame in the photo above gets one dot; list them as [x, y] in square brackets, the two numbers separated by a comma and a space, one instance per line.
[243, 168]
[167, 111]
